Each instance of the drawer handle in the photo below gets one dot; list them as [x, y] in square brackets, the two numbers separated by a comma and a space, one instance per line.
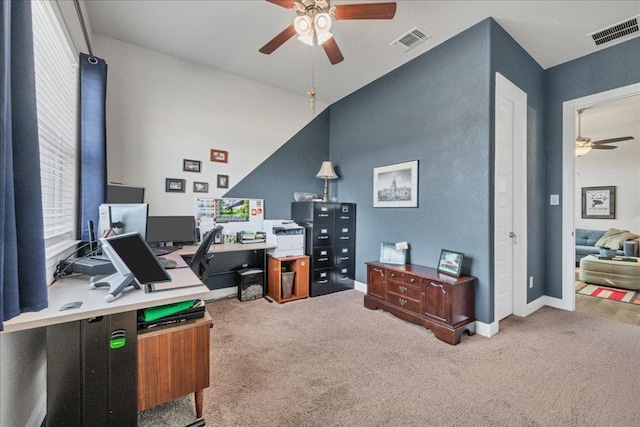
[323, 259]
[344, 238]
[393, 274]
[403, 302]
[413, 279]
[323, 237]
[403, 289]
[322, 282]
[439, 286]
[342, 258]
[379, 271]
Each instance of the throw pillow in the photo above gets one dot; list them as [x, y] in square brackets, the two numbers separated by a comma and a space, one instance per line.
[604, 239]
[617, 241]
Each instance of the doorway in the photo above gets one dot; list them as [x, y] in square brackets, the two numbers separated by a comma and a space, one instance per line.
[571, 203]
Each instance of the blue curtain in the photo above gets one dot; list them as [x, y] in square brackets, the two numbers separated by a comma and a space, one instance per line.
[23, 285]
[93, 148]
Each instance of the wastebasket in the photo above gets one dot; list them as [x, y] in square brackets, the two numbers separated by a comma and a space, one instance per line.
[250, 285]
[287, 283]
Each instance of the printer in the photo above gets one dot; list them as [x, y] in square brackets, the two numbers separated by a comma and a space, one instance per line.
[286, 235]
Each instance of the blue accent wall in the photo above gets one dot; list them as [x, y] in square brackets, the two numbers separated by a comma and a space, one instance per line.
[293, 167]
[604, 70]
[434, 109]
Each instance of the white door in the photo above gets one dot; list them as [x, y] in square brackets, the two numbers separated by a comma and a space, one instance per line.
[510, 197]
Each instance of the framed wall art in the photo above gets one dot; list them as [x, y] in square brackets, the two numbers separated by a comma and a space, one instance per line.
[191, 165]
[396, 186]
[174, 185]
[599, 202]
[219, 156]
[223, 181]
[450, 262]
[200, 187]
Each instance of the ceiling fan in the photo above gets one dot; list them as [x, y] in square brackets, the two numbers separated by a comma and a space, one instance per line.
[585, 144]
[313, 22]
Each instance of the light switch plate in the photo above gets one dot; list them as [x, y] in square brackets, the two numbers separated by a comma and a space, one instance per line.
[555, 199]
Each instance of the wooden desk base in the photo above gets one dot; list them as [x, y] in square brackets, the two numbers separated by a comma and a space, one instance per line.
[173, 362]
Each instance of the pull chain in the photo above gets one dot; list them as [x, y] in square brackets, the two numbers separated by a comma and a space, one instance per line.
[312, 92]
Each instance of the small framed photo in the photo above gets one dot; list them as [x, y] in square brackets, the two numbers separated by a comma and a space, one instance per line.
[191, 165]
[599, 202]
[174, 185]
[450, 262]
[219, 156]
[200, 187]
[223, 181]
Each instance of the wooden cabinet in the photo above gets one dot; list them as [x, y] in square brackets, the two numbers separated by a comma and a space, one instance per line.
[173, 361]
[330, 243]
[421, 295]
[299, 264]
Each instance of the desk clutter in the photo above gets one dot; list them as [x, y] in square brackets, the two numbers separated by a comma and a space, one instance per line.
[171, 313]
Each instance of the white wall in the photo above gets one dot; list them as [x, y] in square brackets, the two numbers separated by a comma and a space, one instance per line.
[620, 168]
[161, 110]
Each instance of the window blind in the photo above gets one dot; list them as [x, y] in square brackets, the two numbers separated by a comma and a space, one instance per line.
[56, 71]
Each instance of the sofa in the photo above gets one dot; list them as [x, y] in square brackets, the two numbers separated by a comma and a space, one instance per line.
[590, 241]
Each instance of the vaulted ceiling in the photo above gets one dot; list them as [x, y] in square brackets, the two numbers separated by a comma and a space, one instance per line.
[226, 35]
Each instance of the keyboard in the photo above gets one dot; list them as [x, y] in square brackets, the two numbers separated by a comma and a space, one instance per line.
[163, 250]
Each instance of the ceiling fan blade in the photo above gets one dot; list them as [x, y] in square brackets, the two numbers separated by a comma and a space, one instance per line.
[366, 11]
[278, 40]
[604, 147]
[287, 4]
[609, 141]
[333, 51]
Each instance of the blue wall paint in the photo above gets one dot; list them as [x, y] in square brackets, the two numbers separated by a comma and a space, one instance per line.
[607, 69]
[513, 62]
[291, 168]
[434, 109]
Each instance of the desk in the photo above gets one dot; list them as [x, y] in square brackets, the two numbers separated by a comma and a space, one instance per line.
[91, 380]
[228, 258]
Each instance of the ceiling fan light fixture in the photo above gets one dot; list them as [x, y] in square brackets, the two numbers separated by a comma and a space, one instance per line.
[324, 37]
[302, 25]
[308, 39]
[582, 150]
[322, 22]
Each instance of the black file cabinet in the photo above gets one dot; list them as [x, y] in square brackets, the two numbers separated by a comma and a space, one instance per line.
[330, 244]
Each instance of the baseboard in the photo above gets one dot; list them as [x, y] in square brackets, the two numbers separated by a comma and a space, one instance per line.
[487, 329]
[223, 293]
[556, 303]
[359, 286]
[39, 412]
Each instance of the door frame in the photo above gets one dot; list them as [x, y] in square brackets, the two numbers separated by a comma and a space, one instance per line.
[519, 196]
[569, 134]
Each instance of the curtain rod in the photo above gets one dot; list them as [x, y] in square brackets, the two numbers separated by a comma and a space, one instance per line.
[92, 58]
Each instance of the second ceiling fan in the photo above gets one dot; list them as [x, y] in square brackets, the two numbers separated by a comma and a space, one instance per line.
[313, 22]
[585, 144]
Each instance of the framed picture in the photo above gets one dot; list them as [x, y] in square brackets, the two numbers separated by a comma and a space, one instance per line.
[174, 185]
[219, 156]
[599, 202]
[396, 186]
[390, 254]
[450, 262]
[191, 165]
[200, 187]
[223, 181]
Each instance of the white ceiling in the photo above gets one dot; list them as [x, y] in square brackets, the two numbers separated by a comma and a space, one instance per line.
[226, 35]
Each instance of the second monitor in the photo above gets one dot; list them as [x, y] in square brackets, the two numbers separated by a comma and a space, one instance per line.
[180, 230]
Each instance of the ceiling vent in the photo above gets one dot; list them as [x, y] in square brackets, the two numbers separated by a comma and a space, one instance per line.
[614, 32]
[410, 39]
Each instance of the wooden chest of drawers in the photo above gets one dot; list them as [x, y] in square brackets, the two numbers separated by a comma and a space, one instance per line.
[421, 295]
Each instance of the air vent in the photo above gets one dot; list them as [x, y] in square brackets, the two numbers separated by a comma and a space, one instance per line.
[614, 32]
[410, 39]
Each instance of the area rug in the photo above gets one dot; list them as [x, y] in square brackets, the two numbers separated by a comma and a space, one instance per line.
[613, 294]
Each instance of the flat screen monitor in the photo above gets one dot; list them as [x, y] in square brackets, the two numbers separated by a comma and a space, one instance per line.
[181, 230]
[135, 264]
[118, 193]
[123, 218]
[232, 210]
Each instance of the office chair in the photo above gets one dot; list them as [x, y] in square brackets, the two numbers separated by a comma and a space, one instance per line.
[200, 260]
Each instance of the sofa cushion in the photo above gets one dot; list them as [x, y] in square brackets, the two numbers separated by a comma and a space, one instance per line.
[585, 237]
[617, 241]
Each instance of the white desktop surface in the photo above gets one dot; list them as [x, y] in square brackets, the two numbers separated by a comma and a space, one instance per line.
[93, 304]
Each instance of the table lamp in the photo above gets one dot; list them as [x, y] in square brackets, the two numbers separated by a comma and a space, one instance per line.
[326, 171]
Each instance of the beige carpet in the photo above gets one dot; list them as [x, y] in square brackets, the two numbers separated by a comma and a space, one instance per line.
[328, 361]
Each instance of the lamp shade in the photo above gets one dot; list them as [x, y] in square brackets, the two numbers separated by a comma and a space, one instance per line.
[326, 171]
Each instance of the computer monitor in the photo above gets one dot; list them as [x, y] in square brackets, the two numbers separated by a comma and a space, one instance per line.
[118, 193]
[123, 218]
[181, 230]
[135, 265]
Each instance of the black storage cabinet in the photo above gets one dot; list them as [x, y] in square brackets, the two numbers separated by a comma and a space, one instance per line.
[330, 243]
